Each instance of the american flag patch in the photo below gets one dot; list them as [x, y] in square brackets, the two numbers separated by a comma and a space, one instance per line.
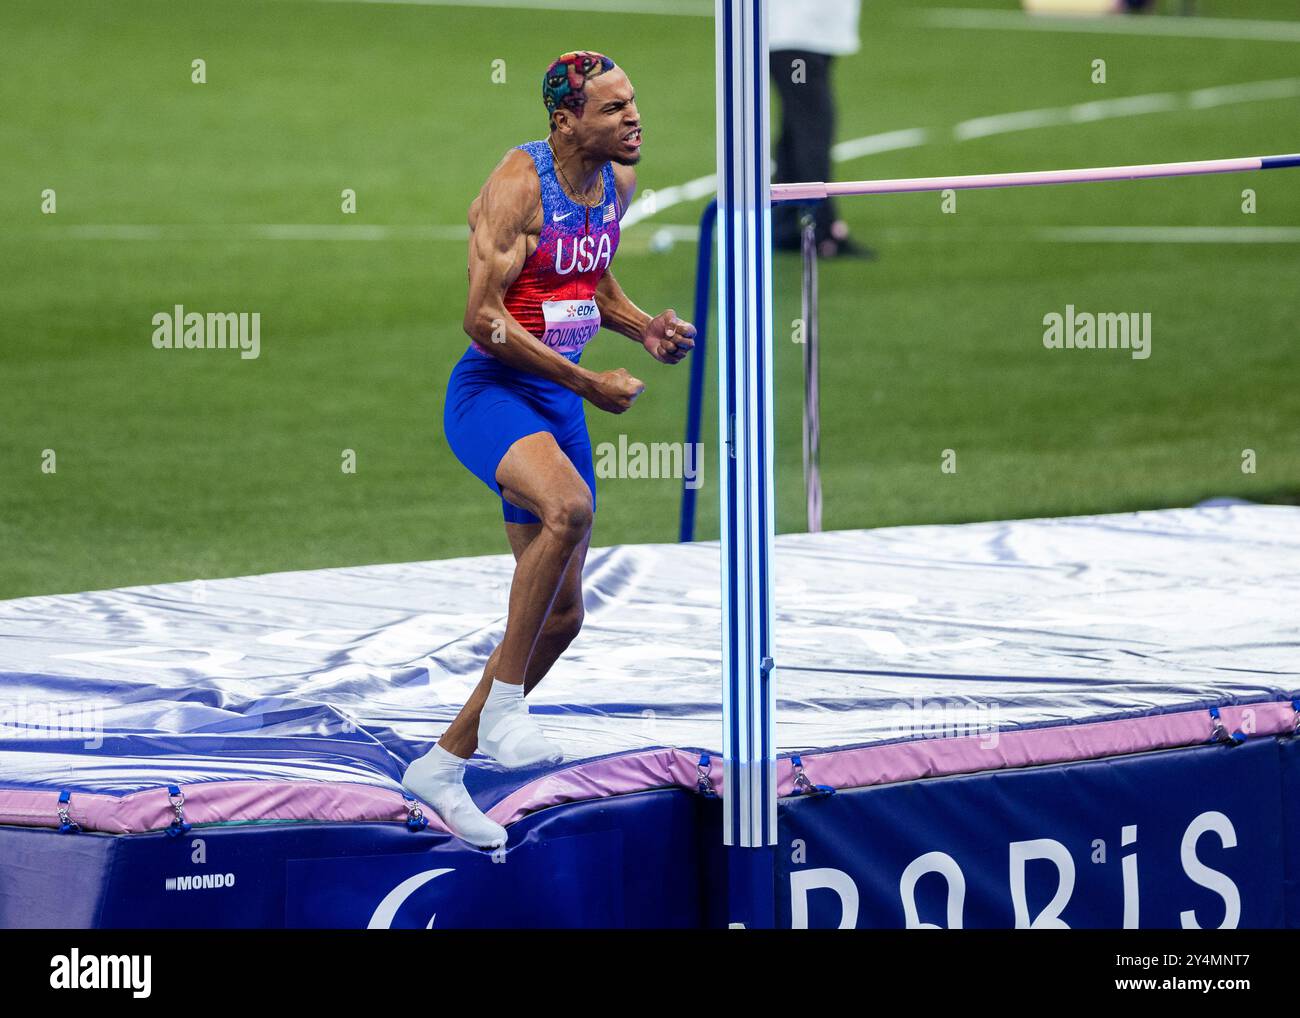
[611, 213]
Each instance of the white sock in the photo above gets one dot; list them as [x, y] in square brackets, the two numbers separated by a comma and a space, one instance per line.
[438, 778]
[509, 734]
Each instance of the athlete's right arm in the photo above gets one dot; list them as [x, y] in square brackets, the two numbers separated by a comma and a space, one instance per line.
[498, 247]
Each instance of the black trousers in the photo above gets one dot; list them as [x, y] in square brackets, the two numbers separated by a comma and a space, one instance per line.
[803, 147]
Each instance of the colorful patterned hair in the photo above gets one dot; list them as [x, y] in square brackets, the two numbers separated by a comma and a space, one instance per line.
[565, 83]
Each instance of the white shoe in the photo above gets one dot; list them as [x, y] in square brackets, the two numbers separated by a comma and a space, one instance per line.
[508, 733]
[438, 778]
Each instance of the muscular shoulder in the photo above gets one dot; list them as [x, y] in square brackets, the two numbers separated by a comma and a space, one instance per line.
[625, 184]
[511, 195]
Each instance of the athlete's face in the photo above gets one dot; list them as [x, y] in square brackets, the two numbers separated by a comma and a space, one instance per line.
[610, 127]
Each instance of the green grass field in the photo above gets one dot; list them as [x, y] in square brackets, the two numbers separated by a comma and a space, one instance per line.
[174, 465]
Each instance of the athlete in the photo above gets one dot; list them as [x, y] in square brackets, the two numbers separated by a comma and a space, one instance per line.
[543, 232]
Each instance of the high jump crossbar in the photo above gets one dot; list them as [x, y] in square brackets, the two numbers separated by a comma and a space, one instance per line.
[1087, 175]
[745, 456]
[820, 191]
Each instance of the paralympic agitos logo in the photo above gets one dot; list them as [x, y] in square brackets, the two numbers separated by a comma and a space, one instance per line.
[1042, 852]
[386, 912]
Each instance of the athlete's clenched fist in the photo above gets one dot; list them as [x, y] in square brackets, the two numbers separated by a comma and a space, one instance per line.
[615, 391]
[668, 338]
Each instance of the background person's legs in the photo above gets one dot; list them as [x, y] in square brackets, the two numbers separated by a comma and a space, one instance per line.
[803, 150]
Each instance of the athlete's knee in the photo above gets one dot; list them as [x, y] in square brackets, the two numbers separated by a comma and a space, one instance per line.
[568, 517]
[564, 624]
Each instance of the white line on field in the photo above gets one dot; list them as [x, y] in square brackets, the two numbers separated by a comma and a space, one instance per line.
[1251, 91]
[1119, 24]
[255, 231]
[1128, 106]
[1171, 234]
[652, 202]
[890, 141]
[360, 231]
[299, 231]
[683, 8]
[1102, 109]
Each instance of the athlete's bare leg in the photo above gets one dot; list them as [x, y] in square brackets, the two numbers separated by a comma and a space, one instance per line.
[535, 475]
[544, 615]
[559, 630]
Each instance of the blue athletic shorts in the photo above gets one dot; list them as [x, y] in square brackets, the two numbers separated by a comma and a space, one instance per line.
[491, 405]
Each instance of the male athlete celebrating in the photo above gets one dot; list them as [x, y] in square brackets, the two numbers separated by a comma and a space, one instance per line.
[544, 230]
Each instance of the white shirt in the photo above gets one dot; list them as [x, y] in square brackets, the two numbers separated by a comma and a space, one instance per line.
[819, 26]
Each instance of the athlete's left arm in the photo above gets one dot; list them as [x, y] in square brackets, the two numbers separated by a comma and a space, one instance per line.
[665, 336]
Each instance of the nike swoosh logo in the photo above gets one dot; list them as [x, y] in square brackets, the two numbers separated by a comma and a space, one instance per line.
[557, 218]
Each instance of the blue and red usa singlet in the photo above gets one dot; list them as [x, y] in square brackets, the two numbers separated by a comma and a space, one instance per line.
[491, 405]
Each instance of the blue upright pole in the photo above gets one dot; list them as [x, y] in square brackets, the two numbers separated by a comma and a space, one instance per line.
[745, 462]
[695, 400]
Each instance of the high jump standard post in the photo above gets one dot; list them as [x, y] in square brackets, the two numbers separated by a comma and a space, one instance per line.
[745, 197]
[745, 459]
